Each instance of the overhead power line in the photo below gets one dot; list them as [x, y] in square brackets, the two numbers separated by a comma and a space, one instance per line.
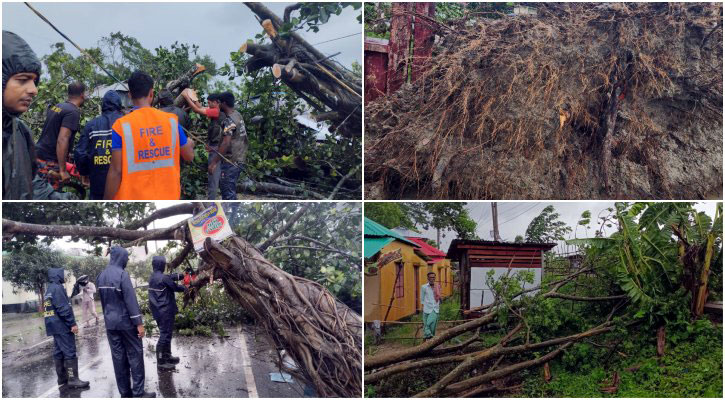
[338, 38]
[524, 212]
[85, 53]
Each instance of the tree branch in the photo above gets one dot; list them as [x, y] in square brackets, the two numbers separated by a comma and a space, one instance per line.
[180, 257]
[284, 229]
[580, 298]
[11, 228]
[342, 181]
[288, 11]
[328, 249]
[179, 209]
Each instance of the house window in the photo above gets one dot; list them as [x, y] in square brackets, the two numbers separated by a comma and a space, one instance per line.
[445, 276]
[399, 281]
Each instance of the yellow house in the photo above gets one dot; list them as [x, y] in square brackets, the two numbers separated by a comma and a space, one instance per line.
[438, 264]
[392, 290]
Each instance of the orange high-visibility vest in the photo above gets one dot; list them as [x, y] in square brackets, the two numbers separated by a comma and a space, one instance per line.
[150, 154]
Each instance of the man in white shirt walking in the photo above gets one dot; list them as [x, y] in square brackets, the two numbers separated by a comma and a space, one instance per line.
[430, 298]
[87, 289]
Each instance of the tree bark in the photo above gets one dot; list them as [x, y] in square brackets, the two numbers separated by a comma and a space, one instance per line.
[321, 334]
[11, 228]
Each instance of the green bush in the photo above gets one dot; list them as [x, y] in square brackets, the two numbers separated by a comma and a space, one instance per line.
[208, 314]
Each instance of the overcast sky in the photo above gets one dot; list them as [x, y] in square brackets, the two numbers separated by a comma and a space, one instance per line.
[217, 28]
[514, 218]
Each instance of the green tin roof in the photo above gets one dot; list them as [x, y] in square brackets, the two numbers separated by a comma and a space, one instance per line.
[377, 236]
[374, 244]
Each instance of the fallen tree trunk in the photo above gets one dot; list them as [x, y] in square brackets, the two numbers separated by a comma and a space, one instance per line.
[277, 189]
[321, 334]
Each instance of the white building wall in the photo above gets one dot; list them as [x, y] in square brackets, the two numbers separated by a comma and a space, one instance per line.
[482, 295]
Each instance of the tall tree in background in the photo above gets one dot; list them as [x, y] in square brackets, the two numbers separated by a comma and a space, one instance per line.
[28, 269]
[546, 227]
[442, 216]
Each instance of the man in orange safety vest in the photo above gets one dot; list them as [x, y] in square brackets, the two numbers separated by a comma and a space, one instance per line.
[146, 149]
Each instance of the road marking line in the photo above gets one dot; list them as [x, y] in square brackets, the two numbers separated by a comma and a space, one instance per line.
[82, 369]
[247, 366]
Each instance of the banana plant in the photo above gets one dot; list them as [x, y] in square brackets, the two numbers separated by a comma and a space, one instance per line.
[658, 249]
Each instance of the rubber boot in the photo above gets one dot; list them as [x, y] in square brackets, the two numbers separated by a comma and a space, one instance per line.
[169, 357]
[148, 394]
[71, 367]
[61, 372]
[161, 361]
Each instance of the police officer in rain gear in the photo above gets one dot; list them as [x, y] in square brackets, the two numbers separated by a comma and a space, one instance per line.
[163, 308]
[61, 324]
[124, 326]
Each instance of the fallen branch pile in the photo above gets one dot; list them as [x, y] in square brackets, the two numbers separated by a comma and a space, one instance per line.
[327, 86]
[584, 100]
[471, 368]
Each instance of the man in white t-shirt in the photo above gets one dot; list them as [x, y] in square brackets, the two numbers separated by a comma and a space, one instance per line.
[430, 298]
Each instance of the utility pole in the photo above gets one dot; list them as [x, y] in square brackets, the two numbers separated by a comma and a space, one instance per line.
[494, 218]
[438, 238]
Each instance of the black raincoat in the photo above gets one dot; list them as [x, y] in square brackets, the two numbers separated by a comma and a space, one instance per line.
[59, 317]
[161, 299]
[118, 298]
[19, 164]
[122, 314]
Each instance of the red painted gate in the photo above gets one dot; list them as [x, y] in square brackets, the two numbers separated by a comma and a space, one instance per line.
[390, 63]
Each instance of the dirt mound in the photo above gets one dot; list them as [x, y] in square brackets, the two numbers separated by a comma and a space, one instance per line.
[581, 101]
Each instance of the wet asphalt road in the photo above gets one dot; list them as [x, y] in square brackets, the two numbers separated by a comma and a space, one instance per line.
[209, 367]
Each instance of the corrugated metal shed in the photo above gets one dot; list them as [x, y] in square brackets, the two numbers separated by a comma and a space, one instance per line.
[477, 258]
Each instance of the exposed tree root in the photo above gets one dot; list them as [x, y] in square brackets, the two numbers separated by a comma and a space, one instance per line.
[584, 100]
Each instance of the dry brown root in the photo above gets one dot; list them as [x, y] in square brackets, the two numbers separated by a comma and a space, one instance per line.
[584, 100]
[322, 335]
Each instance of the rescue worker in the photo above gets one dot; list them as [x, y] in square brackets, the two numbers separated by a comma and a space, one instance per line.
[61, 324]
[86, 289]
[213, 135]
[233, 147]
[21, 74]
[93, 152]
[189, 276]
[62, 122]
[163, 307]
[147, 146]
[124, 325]
[166, 100]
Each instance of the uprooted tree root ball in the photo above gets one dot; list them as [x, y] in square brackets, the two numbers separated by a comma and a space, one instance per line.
[321, 334]
[581, 101]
